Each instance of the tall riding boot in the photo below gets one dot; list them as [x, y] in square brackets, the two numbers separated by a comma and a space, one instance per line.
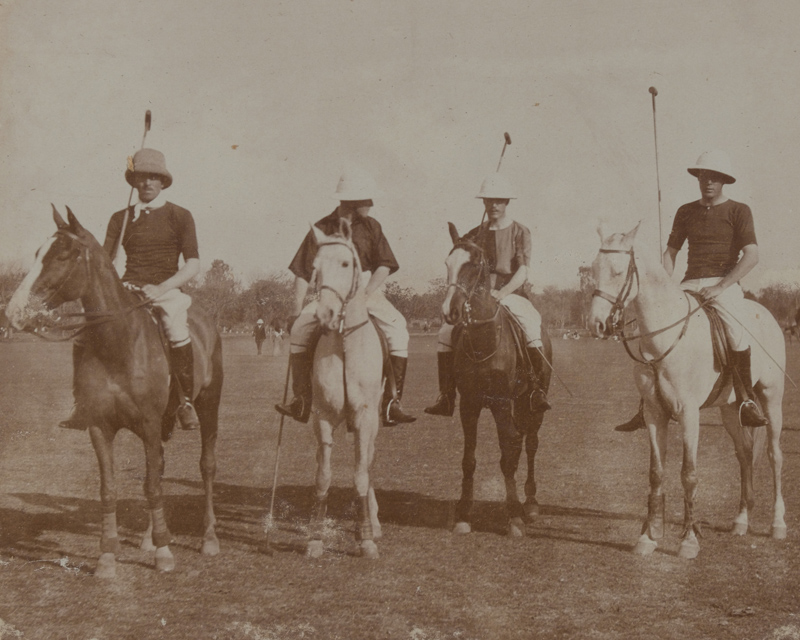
[391, 411]
[75, 419]
[538, 396]
[183, 370]
[635, 423]
[446, 402]
[300, 406]
[749, 413]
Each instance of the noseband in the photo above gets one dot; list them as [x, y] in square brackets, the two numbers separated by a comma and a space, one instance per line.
[614, 321]
[350, 294]
[466, 307]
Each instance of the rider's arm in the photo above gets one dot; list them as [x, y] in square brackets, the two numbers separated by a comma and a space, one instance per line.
[188, 271]
[519, 278]
[745, 265]
[668, 260]
[376, 280]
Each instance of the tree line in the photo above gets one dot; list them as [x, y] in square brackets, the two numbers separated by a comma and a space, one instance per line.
[235, 305]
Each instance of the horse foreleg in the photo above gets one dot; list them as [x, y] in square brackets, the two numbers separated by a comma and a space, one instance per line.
[533, 424]
[469, 411]
[154, 457]
[653, 527]
[208, 470]
[510, 449]
[690, 421]
[366, 423]
[109, 540]
[743, 446]
[772, 402]
[323, 431]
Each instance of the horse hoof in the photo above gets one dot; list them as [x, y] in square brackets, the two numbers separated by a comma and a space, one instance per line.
[531, 509]
[645, 546]
[210, 544]
[164, 560]
[462, 528]
[377, 532]
[369, 549]
[739, 528]
[779, 532]
[106, 566]
[516, 528]
[314, 549]
[147, 544]
[689, 549]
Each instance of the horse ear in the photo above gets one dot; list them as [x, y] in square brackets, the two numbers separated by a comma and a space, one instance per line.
[345, 229]
[601, 230]
[631, 235]
[74, 225]
[453, 232]
[58, 219]
[319, 236]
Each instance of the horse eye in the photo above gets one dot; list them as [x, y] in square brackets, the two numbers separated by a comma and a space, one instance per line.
[345, 263]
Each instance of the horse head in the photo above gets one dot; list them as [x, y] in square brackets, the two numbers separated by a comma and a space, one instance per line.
[614, 271]
[467, 273]
[60, 272]
[337, 274]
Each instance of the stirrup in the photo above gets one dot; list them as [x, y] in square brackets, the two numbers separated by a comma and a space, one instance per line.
[394, 414]
[537, 401]
[750, 415]
[634, 424]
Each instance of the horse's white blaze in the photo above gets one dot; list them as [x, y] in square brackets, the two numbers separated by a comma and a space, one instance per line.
[16, 310]
[454, 262]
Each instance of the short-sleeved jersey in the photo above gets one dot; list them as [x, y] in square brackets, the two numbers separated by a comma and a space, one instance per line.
[506, 250]
[154, 242]
[371, 245]
[716, 235]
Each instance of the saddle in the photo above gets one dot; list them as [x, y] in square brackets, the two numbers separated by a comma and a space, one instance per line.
[721, 348]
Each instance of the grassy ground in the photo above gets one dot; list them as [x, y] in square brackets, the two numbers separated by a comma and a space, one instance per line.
[572, 576]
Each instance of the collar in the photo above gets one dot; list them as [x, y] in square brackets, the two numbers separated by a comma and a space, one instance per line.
[147, 207]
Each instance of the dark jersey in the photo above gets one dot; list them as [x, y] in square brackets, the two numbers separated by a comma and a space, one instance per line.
[505, 251]
[154, 242]
[371, 245]
[716, 235]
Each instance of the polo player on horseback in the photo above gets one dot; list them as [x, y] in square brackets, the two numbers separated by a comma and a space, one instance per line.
[506, 244]
[722, 250]
[355, 192]
[157, 233]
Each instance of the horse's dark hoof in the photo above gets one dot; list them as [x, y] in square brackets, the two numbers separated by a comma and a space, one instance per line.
[188, 417]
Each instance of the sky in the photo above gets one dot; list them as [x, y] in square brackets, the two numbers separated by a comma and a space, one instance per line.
[258, 106]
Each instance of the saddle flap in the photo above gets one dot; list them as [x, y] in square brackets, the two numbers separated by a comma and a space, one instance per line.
[719, 340]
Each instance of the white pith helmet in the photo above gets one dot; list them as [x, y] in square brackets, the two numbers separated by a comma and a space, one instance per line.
[356, 184]
[716, 161]
[496, 185]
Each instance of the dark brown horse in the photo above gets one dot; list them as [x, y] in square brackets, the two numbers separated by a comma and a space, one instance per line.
[123, 376]
[491, 371]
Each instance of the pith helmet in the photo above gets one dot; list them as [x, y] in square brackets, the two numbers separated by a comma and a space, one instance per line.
[356, 184]
[496, 185]
[148, 161]
[717, 161]
[259, 321]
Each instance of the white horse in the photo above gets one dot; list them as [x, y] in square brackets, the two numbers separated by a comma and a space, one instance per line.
[679, 377]
[347, 381]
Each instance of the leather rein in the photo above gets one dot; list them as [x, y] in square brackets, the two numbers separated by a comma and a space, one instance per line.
[618, 304]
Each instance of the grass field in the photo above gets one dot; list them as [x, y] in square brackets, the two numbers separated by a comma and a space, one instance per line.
[572, 576]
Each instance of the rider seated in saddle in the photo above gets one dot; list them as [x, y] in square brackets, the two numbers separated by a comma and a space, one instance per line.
[355, 192]
[507, 247]
[722, 250]
[157, 233]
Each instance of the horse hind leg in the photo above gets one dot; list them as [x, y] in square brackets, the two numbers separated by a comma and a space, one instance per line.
[743, 446]
[533, 424]
[366, 431]
[154, 456]
[772, 400]
[323, 431]
[102, 442]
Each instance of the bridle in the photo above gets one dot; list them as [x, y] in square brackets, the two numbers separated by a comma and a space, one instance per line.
[618, 303]
[466, 307]
[345, 300]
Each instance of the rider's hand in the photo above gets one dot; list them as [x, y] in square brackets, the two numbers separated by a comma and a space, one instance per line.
[152, 291]
[497, 295]
[708, 293]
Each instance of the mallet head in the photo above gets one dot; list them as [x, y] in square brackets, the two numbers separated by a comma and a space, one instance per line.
[653, 90]
[147, 120]
[507, 137]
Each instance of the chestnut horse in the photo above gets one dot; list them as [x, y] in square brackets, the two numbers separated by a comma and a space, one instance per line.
[123, 377]
[675, 376]
[489, 372]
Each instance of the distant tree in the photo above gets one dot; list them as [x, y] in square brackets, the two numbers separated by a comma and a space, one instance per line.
[781, 300]
[11, 274]
[270, 298]
[219, 294]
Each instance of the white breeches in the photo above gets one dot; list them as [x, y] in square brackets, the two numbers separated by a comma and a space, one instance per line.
[522, 310]
[730, 306]
[173, 311]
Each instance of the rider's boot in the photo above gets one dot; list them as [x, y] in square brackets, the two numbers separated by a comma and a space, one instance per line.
[75, 419]
[300, 406]
[446, 402]
[391, 410]
[635, 423]
[749, 413]
[538, 398]
[183, 369]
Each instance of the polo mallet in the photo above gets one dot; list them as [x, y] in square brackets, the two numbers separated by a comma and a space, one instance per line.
[654, 93]
[507, 141]
[278, 454]
[147, 120]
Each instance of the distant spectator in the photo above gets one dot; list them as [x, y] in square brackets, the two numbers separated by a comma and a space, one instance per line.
[260, 334]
